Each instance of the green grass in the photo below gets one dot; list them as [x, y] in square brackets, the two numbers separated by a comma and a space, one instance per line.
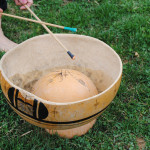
[122, 24]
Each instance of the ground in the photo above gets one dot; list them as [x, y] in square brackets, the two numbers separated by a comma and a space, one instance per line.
[122, 24]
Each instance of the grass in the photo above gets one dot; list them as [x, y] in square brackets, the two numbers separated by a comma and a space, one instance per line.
[122, 24]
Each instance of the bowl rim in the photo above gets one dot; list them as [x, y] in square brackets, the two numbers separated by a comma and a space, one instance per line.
[32, 96]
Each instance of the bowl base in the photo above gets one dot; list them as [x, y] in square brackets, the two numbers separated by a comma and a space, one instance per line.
[70, 133]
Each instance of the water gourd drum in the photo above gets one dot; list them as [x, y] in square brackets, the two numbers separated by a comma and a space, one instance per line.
[23, 66]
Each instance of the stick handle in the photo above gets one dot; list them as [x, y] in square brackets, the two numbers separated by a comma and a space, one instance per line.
[31, 20]
[46, 28]
[40, 22]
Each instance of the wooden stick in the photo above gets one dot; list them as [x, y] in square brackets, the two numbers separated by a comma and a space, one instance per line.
[46, 28]
[40, 22]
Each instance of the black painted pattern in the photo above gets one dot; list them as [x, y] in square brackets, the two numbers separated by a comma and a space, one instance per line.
[42, 111]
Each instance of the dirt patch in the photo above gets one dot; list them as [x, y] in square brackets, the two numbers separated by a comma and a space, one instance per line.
[67, 1]
[141, 143]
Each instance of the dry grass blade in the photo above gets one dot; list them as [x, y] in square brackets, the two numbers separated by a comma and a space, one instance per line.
[26, 133]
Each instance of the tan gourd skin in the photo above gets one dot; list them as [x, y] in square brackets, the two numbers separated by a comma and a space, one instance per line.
[63, 86]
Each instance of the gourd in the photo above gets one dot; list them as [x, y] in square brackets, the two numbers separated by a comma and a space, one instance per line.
[64, 86]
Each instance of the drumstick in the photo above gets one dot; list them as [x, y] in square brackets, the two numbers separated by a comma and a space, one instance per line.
[47, 29]
[40, 22]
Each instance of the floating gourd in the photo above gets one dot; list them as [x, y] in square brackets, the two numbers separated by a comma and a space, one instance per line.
[63, 86]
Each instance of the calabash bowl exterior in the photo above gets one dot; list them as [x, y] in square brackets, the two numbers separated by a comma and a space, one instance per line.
[57, 116]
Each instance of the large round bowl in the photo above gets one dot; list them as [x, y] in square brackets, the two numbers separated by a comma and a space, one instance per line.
[43, 52]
